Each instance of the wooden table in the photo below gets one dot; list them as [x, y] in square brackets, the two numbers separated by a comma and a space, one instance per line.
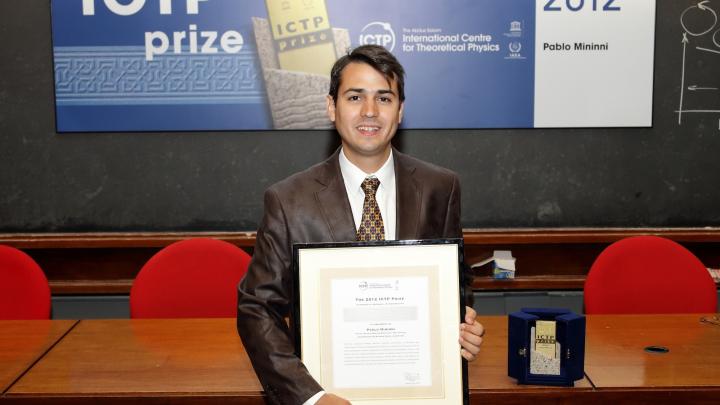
[617, 364]
[24, 342]
[193, 361]
[187, 360]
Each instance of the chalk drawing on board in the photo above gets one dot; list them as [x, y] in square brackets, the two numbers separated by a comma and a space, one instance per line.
[698, 21]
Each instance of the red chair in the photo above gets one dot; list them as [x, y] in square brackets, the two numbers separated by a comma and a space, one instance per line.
[646, 275]
[193, 278]
[24, 290]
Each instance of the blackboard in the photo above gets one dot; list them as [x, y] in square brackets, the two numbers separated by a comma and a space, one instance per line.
[664, 176]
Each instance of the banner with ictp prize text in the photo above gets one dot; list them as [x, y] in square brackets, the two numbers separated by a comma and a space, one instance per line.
[191, 65]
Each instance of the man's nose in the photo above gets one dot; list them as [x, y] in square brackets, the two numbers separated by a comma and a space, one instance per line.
[369, 108]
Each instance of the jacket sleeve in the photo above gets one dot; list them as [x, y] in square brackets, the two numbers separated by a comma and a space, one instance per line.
[264, 299]
[453, 229]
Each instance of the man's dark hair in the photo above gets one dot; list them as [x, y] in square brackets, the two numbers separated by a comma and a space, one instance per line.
[378, 58]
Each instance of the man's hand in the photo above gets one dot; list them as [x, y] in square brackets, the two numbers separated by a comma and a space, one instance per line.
[471, 335]
[330, 399]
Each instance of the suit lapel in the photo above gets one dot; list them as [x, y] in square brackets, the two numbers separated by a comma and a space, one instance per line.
[333, 201]
[409, 197]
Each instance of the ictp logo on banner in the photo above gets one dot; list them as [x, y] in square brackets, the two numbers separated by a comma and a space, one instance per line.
[378, 33]
[158, 42]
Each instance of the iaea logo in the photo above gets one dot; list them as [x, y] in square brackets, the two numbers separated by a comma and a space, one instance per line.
[514, 47]
[378, 33]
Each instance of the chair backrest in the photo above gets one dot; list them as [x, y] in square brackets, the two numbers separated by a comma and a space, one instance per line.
[648, 274]
[193, 278]
[24, 290]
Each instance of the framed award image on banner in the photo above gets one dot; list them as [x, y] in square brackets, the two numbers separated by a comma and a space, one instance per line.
[378, 322]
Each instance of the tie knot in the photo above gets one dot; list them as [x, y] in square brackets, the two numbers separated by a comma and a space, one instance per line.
[370, 185]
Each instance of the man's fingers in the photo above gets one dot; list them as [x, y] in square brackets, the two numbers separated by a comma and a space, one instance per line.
[476, 329]
[331, 399]
[471, 342]
[467, 355]
[470, 315]
[471, 338]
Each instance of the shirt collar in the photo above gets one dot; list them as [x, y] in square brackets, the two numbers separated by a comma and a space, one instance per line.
[354, 176]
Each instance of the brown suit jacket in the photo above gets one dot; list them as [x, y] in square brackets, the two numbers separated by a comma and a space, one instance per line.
[312, 206]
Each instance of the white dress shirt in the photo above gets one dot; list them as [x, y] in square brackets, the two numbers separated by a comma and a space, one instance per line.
[386, 197]
[386, 193]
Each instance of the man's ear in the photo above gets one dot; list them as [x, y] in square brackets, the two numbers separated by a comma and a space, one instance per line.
[330, 107]
[400, 112]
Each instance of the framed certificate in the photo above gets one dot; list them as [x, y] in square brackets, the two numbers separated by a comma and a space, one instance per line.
[378, 322]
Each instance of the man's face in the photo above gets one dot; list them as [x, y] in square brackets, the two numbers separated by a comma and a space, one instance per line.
[367, 113]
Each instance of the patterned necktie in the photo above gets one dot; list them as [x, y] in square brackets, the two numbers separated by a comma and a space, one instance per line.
[371, 224]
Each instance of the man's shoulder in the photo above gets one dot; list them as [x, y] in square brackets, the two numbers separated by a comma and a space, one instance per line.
[422, 169]
[316, 175]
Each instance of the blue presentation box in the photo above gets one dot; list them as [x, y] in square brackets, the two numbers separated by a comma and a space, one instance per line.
[569, 343]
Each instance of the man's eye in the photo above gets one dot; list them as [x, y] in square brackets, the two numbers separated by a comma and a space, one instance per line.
[385, 99]
[354, 98]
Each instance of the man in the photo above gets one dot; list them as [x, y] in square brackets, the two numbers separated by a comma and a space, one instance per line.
[327, 203]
